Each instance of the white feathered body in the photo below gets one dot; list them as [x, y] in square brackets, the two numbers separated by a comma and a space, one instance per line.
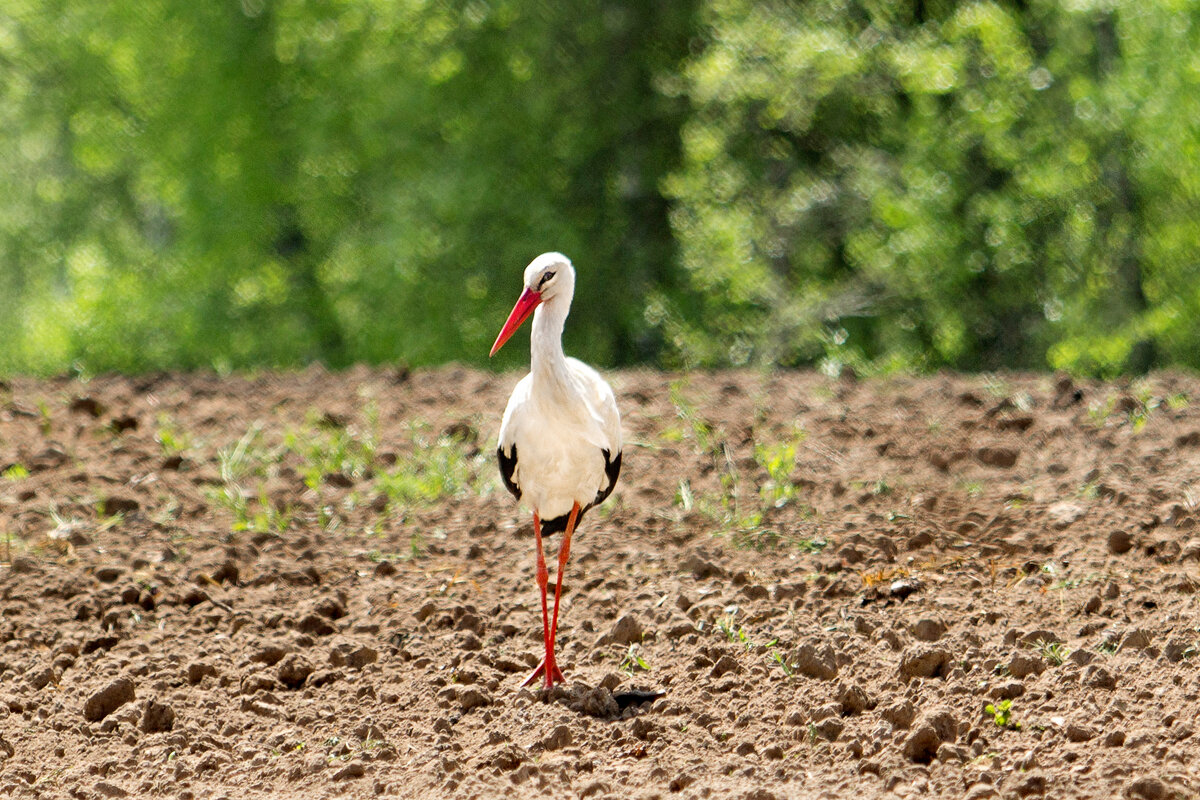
[563, 426]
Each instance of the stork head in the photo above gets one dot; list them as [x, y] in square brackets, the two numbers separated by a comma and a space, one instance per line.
[547, 277]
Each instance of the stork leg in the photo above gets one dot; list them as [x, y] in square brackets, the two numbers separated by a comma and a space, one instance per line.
[564, 550]
[548, 667]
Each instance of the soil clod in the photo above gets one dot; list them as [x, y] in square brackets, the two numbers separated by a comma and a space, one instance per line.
[108, 699]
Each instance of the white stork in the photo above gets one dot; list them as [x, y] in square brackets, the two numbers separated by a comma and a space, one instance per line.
[560, 441]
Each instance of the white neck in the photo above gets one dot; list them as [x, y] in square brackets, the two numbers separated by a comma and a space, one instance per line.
[549, 364]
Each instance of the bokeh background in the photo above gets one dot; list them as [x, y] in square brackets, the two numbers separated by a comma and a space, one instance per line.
[889, 185]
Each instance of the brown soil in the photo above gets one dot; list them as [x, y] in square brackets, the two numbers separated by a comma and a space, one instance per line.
[177, 622]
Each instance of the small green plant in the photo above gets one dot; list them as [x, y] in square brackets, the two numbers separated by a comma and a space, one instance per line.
[269, 518]
[244, 457]
[707, 441]
[1098, 413]
[996, 386]
[736, 635]
[1002, 715]
[262, 516]
[779, 659]
[756, 538]
[1053, 652]
[170, 437]
[416, 547]
[672, 434]
[230, 496]
[811, 545]
[1147, 404]
[435, 470]
[739, 514]
[778, 460]
[1136, 413]
[326, 449]
[972, 488]
[15, 473]
[684, 497]
[106, 522]
[633, 661]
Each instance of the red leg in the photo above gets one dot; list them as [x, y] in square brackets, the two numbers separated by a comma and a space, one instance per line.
[547, 667]
[563, 551]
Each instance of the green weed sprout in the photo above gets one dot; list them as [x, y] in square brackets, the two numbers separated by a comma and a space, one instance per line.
[1001, 714]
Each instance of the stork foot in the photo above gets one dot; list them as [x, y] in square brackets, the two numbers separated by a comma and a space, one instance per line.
[552, 675]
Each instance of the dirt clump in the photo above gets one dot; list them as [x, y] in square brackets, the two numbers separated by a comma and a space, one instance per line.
[108, 699]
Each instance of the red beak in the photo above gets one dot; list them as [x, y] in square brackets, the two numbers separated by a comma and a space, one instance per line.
[526, 303]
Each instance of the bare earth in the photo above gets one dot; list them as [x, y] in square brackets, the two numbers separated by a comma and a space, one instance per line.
[313, 585]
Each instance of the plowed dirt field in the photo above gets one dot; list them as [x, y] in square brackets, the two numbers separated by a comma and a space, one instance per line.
[313, 585]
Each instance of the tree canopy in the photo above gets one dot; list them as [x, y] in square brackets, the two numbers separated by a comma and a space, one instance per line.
[888, 185]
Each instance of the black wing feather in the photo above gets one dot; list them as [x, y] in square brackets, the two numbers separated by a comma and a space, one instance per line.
[612, 469]
[508, 467]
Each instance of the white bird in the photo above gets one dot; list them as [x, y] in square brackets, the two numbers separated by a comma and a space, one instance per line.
[560, 441]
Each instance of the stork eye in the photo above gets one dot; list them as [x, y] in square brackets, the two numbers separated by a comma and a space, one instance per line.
[545, 277]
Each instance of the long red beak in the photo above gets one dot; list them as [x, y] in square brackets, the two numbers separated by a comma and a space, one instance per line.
[526, 303]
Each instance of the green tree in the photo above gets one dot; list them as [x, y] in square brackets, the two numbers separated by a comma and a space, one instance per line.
[888, 185]
[974, 185]
[273, 181]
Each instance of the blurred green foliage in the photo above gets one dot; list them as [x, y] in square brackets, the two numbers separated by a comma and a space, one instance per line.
[887, 185]
[260, 182]
[977, 185]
